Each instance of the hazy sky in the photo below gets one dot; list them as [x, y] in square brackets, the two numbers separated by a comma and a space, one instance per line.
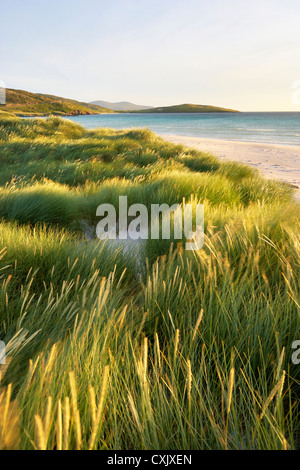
[232, 53]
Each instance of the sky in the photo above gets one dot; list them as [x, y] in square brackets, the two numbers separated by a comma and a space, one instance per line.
[237, 54]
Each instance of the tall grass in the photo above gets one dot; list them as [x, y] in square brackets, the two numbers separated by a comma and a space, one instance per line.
[193, 351]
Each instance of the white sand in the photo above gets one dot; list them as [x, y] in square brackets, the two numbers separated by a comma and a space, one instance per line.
[281, 162]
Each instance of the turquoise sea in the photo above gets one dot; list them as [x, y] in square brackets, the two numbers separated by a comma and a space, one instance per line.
[276, 128]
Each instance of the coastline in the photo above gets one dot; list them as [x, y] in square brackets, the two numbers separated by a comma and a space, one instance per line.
[43, 115]
[275, 161]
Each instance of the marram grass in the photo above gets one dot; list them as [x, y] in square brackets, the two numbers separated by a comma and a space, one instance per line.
[191, 352]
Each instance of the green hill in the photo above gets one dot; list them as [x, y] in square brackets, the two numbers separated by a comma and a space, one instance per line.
[24, 103]
[142, 344]
[188, 108]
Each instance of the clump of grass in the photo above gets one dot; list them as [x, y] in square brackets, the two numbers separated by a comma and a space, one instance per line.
[145, 135]
[7, 116]
[201, 162]
[48, 202]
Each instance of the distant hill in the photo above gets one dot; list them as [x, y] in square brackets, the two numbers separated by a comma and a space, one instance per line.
[189, 108]
[120, 106]
[24, 103]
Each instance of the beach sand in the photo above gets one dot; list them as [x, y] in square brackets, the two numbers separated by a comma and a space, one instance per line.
[280, 162]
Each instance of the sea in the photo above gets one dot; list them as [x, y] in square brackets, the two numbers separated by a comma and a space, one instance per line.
[269, 128]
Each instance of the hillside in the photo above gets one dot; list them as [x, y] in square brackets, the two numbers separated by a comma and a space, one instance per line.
[25, 103]
[189, 108]
[120, 106]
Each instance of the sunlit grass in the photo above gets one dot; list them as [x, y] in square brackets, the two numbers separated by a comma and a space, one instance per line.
[193, 351]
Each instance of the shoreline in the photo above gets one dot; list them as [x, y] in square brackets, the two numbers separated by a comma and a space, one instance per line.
[275, 161]
[57, 115]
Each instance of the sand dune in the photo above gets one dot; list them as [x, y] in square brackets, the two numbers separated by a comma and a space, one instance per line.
[274, 161]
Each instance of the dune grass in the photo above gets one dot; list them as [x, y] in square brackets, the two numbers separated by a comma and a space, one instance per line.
[25, 103]
[191, 352]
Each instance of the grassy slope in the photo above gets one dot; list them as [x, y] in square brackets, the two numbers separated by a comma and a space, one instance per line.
[188, 108]
[22, 102]
[192, 354]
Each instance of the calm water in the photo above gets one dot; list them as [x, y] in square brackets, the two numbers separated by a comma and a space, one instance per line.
[277, 128]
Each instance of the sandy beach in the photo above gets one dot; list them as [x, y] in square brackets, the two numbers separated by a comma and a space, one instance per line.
[274, 161]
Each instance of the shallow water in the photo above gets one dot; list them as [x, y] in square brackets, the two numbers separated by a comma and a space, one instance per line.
[272, 128]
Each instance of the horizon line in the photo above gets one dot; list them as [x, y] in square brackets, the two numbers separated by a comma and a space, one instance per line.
[151, 106]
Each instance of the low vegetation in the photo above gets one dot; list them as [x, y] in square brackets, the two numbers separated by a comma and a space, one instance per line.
[166, 350]
[187, 108]
[24, 103]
